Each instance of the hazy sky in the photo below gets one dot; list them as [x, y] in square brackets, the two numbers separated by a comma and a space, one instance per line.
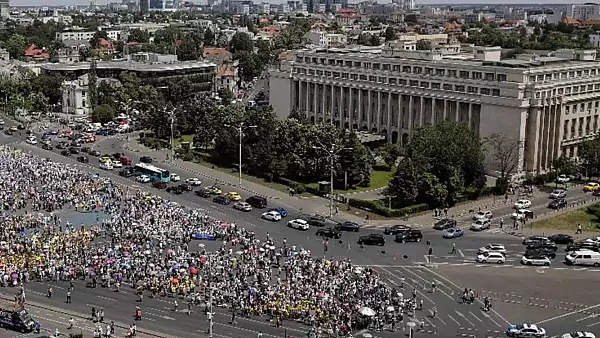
[427, 2]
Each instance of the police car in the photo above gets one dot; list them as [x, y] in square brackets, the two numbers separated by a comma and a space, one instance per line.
[579, 335]
[526, 330]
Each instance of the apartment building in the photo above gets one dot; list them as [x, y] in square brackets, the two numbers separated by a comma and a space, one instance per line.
[113, 35]
[549, 103]
[583, 12]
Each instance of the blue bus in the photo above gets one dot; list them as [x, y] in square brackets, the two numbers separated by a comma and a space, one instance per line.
[155, 173]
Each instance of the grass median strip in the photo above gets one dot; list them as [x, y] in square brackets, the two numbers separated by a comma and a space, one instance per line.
[569, 221]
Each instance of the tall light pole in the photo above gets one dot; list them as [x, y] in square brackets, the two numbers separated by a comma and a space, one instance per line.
[240, 129]
[332, 153]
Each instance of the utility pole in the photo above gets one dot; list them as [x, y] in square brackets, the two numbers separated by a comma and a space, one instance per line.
[172, 115]
[240, 131]
[332, 154]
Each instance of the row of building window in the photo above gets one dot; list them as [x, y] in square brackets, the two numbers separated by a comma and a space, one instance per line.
[571, 124]
[567, 90]
[582, 107]
[564, 75]
[463, 74]
[403, 82]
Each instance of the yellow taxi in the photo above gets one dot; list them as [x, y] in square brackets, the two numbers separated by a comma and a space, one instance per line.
[13, 128]
[105, 159]
[234, 196]
[592, 186]
[214, 190]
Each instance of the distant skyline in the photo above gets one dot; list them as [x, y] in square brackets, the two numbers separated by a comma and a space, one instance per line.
[419, 2]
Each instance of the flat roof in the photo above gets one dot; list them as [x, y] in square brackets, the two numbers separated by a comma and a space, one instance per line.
[129, 66]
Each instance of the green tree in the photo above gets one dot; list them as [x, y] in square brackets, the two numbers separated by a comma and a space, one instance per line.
[92, 85]
[423, 45]
[241, 42]
[390, 34]
[389, 153]
[564, 166]
[190, 47]
[404, 185]
[209, 37]
[433, 191]
[138, 35]
[589, 155]
[103, 113]
[226, 96]
[16, 46]
[411, 19]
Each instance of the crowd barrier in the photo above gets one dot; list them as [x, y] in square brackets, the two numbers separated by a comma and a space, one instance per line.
[501, 297]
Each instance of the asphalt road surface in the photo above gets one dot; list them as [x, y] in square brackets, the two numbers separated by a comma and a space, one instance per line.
[555, 296]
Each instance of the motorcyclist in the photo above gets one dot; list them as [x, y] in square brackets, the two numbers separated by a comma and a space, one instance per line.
[138, 313]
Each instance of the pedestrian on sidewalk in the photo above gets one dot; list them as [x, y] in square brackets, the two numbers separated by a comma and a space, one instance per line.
[70, 323]
[579, 230]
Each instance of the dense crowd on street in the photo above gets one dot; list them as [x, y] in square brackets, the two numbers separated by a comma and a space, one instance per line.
[145, 242]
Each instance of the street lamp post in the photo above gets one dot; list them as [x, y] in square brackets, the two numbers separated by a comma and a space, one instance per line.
[172, 115]
[331, 153]
[240, 131]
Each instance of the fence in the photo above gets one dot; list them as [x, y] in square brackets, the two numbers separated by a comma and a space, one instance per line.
[501, 297]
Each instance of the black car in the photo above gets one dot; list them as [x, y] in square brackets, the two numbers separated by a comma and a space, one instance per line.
[316, 221]
[20, 127]
[175, 190]
[583, 245]
[117, 156]
[558, 203]
[408, 236]
[8, 132]
[146, 159]
[74, 150]
[83, 159]
[94, 153]
[222, 200]
[203, 193]
[535, 239]
[185, 187]
[561, 238]
[61, 145]
[126, 173]
[396, 229]
[85, 149]
[65, 153]
[545, 252]
[443, 224]
[46, 146]
[372, 239]
[596, 192]
[329, 233]
[348, 226]
[542, 245]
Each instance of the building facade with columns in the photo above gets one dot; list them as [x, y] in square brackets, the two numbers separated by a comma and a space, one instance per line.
[548, 103]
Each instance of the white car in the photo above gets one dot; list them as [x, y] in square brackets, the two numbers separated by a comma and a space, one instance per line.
[525, 330]
[143, 178]
[491, 257]
[492, 248]
[558, 193]
[107, 166]
[535, 260]
[579, 335]
[299, 224]
[174, 177]
[271, 216]
[563, 178]
[243, 206]
[482, 215]
[117, 164]
[32, 140]
[593, 240]
[522, 204]
[480, 224]
[194, 181]
[520, 214]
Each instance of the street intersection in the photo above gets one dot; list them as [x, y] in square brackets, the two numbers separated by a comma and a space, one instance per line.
[560, 298]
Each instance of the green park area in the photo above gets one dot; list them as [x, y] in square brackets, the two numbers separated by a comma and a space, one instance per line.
[588, 217]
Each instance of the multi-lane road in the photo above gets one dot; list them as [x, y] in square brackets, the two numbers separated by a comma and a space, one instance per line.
[559, 297]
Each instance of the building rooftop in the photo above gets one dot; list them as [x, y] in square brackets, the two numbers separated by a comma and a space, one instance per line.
[129, 66]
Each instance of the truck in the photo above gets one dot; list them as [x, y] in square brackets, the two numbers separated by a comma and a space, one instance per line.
[17, 319]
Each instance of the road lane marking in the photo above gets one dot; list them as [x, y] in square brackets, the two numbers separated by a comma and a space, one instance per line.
[107, 298]
[440, 319]
[490, 318]
[454, 320]
[460, 289]
[588, 317]
[479, 319]
[427, 258]
[568, 314]
[417, 290]
[463, 317]
[427, 282]
[429, 321]
[461, 253]
[594, 324]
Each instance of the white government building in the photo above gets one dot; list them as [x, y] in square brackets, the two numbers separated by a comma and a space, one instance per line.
[549, 103]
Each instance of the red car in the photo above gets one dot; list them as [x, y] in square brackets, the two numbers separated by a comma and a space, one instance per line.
[160, 185]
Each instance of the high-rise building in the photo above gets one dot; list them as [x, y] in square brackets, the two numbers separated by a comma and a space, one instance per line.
[584, 12]
[549, 104]
[144, 6]
[4, 9]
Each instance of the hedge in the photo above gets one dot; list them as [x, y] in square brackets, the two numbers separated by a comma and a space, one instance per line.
[376, 208]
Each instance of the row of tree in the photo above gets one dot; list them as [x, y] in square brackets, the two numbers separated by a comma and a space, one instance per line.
[33, 92]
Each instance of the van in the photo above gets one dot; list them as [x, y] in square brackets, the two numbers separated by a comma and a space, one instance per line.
[257, 201]
[584, 257]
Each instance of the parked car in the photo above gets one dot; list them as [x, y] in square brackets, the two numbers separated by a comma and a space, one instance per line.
[408, 235]
[160, 185]
[329, 233]
[482, 215]
[146, 159]
[203, 193]
[348, 226]
[522, 204]
[372, 239]
[443, 224]
[563, 178]
[83, 159]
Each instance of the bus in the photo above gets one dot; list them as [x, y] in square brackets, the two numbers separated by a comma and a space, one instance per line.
[155, 173]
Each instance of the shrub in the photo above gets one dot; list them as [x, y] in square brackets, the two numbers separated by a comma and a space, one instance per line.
[377, 208]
